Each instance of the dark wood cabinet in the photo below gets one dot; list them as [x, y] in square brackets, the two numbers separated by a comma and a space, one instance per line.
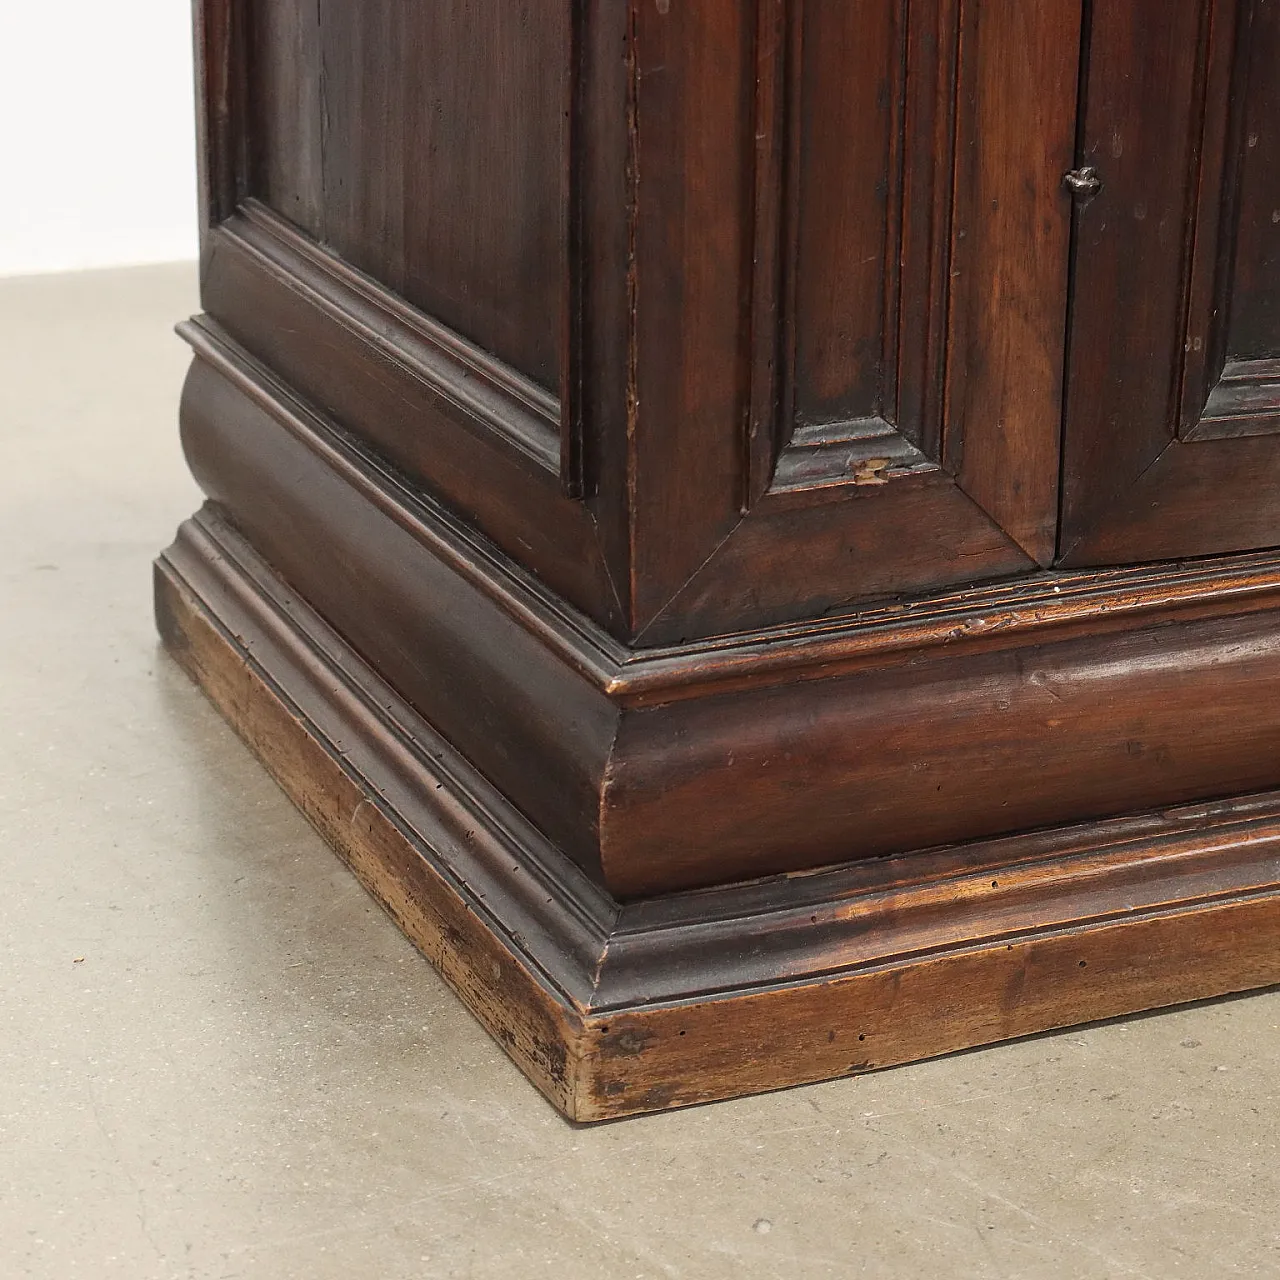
[753, 526]
[1173, 384]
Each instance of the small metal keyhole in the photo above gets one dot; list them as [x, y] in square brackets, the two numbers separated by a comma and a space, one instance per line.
[1083, 183]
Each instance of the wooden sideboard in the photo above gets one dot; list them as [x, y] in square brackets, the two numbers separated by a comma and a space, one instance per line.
[752, 526]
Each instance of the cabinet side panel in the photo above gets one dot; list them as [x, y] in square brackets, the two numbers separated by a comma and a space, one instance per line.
[286, 111]
[342, 535]
[364, 80]
[486, 141]
[428, 146]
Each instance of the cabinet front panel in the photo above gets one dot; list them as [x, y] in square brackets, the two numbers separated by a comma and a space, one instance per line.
[877, 189]
[1254, 318]
[1233, 347]
[427, 145]
[845, 253]
[1174, 396]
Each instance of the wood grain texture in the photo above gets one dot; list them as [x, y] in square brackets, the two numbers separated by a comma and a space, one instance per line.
[368, 130]
[1011, 251]
[221, 100]
[930, 752]
[427, 145]
[1138, 126]
[960, 718]
[837, 328]
[848, 198]
[796, 336]
[693, 85]
[342, 532]
[614, 1011]
[1173, 407]
[285, 129]
[638, 438]
[447, 415]
[487, 219]
[1254, 319]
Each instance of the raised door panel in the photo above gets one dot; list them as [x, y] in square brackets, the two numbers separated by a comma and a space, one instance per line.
[1174, 391]
[877, 189]
[427, 145]
[392, 230]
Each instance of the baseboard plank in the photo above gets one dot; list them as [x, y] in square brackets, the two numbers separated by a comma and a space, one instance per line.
[613, 1010]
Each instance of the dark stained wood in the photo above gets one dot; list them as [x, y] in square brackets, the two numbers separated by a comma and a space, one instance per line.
[426, 144]
[1253, 325]
[601, 169]
[342, 533]
[1012, 249]
[1173, 401]
[1139, 131]
[368, 132]
[617, 1011]
[692, 121]
[925, 752]
[224, 114]
[758, 565]
[792, 558]
[707, 764]
[730, 261]
[436, 407]
[866, 167]
[928, 230]
[486, 220]
[760, 290]
[848, 148]
[284, 71]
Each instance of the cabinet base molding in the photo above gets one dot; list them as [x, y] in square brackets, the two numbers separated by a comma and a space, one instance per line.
[616, 1008]
[907, 723]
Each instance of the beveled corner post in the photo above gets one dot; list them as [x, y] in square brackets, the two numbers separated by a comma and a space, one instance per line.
[638, 472]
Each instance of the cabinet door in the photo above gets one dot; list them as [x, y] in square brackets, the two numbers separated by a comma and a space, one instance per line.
[1174, 388]
[877, 189]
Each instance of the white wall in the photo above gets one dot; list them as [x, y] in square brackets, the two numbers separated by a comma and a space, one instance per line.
[97, 138]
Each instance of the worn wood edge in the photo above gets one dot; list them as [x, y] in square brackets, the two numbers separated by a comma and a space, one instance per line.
[883, 1016]
[910, 908]
[601, 777]
[490, 850]
[495, 396]
[538, 1026]
[804, 1018]
[996, 616]
[846, 455]
[1040, 875]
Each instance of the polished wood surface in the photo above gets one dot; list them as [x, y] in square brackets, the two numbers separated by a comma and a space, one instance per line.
[765, 338]
[757, 439]
[432, 165]
[964, 716]
[613, 1011]
[1174, 400]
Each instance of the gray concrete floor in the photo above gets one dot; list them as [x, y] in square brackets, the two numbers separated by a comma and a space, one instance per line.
[219, 1059]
